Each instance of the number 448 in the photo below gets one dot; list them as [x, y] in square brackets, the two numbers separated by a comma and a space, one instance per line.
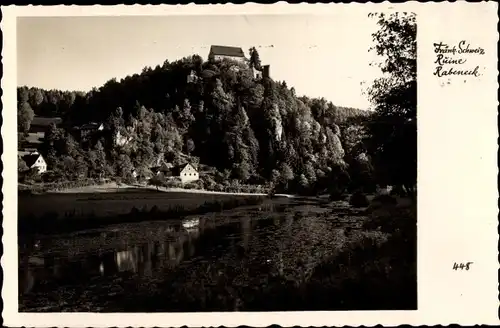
[462, 266]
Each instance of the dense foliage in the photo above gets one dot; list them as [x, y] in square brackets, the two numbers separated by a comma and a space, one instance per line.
[218, 114]
[393, 129]
[237, 127]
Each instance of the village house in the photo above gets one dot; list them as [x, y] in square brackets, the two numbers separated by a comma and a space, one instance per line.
[88, 129]
[218, 53]
[164, 169]
[185, 172]
[35, 161]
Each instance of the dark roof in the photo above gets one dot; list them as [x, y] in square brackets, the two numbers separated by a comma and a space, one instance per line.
[45, 121]
[227, 51]
[176, 170]
[30, 159]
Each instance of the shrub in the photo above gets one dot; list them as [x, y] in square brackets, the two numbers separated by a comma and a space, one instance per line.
[190, 186]
[337, 196]
[385, 199]
[358, 199]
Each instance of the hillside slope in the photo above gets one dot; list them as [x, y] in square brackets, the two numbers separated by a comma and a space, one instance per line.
[218, 114]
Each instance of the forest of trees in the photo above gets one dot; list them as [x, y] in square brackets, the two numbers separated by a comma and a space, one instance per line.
[254, 131]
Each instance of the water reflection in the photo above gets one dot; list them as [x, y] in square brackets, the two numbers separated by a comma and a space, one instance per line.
[244, 251]
[167, 248]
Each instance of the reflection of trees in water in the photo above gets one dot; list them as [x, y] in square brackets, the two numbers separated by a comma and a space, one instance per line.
[155, 255]
[165, 250]
[246, 231]
[127, 260]
[26, 276]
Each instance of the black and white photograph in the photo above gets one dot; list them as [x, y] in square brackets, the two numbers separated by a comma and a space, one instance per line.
[206, 163]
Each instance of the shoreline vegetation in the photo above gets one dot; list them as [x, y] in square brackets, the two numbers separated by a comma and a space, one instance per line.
[112, 187]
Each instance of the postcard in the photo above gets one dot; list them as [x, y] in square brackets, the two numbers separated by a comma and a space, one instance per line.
[227, 165]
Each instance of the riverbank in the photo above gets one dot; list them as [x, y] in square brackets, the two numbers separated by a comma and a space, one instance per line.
[125, 211]
[113, 187]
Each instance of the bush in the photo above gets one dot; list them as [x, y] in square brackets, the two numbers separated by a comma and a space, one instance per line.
[385, 199]
[337, 196]
[358, 199]
[190, 186]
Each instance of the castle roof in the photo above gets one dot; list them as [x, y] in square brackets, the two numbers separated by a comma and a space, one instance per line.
[227, 51]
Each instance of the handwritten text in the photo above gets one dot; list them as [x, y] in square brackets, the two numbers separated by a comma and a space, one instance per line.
[454, 60]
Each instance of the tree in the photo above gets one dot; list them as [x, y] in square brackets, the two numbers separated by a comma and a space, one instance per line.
[157, 181]
[97, 160]
[38, 97]
[124, 166]
[189, 146]
[303, 183]
[21, 165]
[286, 174]
[242, 171]
[255, 59]
[24, 117]
[393, 132]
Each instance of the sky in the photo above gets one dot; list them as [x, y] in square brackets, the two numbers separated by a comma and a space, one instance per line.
[320, 56]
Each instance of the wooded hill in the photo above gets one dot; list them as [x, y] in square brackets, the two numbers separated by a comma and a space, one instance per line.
[252, 130]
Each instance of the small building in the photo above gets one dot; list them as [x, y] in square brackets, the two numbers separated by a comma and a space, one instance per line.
[256, 74]
[261, 73]
[87, 130]
[224, 52]
[91, 127]
[186, 173]
[35, 161]
[163, 168]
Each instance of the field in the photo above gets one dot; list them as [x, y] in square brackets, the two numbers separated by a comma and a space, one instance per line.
[105, 204]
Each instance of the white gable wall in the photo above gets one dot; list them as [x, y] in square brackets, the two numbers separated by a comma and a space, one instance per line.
[40, 164]
[221, 57]
[189, 174]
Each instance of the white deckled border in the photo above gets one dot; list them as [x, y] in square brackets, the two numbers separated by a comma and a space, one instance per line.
[457, 204]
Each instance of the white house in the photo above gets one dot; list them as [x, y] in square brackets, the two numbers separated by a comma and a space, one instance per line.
[35, 160]
[186, 172]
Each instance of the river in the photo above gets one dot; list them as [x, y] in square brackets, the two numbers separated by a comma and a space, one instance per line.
[255, 258]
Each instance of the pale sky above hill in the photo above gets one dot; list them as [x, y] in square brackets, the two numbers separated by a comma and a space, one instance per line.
[321, 56]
